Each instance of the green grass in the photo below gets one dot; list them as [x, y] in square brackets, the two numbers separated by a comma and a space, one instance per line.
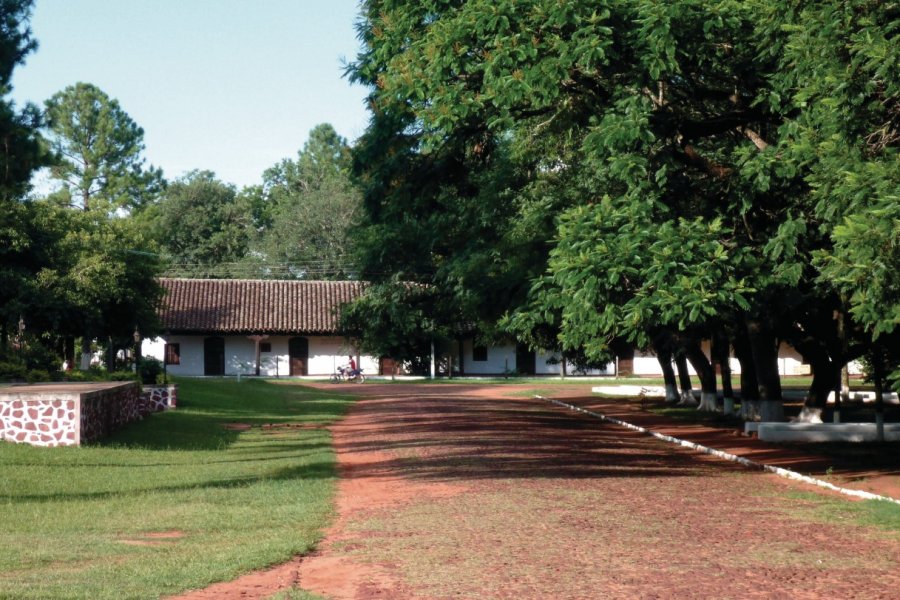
[92, 522]
[872, 513]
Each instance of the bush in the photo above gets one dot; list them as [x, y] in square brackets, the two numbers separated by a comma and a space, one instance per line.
[122, 376]
[150, 370]
[39, 357]
[12, 371]
[37, 375]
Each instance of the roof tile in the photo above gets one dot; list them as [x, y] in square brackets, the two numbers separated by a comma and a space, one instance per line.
[264, 306]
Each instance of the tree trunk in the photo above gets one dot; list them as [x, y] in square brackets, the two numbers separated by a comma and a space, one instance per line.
[878, 376]
[85, 353]
[719, 348]
[764, 348]
[706, 373]
[825, 376]
[823, 372]
[749, 387]
[684, 378]
[110, 355]
[664, 356]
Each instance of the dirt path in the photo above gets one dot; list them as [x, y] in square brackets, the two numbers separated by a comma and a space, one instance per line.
[448, 492]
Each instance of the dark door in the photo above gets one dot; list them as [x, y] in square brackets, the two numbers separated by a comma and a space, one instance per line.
[298, 350]
[525, 360]
[214, 356]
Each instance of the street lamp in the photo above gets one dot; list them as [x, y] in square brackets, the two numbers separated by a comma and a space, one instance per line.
[137, 347]
[165, 338]
[20, 339]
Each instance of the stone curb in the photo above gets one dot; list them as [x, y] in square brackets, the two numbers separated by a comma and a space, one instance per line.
[787, 473]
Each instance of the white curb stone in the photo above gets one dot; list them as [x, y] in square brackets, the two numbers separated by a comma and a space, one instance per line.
[726, 455]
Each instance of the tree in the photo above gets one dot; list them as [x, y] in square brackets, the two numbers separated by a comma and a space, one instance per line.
[99, 282]
[21, 153]
[685, 154]
[310, 207]
[100, 147]
[623, 103]
[202, 225]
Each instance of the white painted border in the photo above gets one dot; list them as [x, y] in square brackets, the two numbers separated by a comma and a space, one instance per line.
[726, 455]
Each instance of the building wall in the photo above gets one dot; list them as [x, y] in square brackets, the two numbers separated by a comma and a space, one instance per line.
[543, 367]
[326, 353]
[500, 360]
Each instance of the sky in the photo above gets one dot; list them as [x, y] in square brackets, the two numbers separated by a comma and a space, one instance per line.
[231, 86]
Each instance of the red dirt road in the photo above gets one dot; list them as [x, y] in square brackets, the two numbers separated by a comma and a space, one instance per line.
[451, 491]
[468, 491]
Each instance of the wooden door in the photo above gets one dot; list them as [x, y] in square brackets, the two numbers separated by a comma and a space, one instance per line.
[214, 356]
[525, 360]
[298, 350]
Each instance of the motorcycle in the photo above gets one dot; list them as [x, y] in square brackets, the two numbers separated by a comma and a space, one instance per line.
[348, 375]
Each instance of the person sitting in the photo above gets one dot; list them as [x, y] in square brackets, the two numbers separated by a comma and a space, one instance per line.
[353, 370]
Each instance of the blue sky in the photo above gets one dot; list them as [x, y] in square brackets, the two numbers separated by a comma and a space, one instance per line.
[232, 86]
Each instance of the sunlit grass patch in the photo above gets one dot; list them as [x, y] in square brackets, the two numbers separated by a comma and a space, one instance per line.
[177, 501]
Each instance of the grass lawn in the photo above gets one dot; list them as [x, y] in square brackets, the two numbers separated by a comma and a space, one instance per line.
[174, 502]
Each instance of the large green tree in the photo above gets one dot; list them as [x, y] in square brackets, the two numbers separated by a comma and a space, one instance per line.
[21, 243]
[100, 149]
[203, 226]
[100, 283]
[310, 206]
[654, 134]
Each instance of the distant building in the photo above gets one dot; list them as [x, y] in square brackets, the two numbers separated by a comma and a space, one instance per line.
[247, 327]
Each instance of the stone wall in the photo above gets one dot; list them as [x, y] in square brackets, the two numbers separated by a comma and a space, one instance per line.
[159, 398]
[76, 413]
[40, 422]
[105, 411]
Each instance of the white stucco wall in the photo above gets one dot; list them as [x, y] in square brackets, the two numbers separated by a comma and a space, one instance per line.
[542, 367]
[325, 354]
[500, 359]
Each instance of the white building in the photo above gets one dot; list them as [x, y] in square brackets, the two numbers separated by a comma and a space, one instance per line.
[247, 327]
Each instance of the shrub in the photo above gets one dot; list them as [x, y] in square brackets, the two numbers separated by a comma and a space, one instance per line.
[37, 375]
[12, 371]
[150, 370]
[37, 356]
[122, 376]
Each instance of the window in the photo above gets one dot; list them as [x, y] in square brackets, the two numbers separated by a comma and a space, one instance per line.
[265, 346]
[479, 353]
[172, 354]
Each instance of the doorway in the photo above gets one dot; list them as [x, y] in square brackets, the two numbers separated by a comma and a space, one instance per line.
[214, 356]
[525, 360]
[298, 351]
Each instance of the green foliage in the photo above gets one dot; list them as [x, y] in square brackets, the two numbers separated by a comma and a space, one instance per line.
[202, 225]
[98, 281]
[310, 206]
[99, 148]
[21, 153]
[683, 166]
[12, 370]
[395, 319]
[149, 370]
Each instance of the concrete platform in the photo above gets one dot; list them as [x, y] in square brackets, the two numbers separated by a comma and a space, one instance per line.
[823, 432]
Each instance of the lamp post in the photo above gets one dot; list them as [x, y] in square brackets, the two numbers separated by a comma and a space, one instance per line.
[165, 338]
[20, 338]
[137, 347]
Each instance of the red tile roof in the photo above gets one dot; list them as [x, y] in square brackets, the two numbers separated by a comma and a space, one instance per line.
[250, 306]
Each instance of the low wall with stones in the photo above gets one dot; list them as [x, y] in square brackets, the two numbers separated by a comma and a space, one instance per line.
[160, 398]
[70, 414]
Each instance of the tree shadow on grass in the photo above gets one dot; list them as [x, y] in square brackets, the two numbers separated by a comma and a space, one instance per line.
[309, 471]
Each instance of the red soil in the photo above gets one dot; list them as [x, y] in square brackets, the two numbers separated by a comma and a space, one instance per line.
[453, 491]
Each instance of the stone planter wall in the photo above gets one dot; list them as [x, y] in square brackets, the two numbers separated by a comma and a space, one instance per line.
[71, 414]
[159, 398]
